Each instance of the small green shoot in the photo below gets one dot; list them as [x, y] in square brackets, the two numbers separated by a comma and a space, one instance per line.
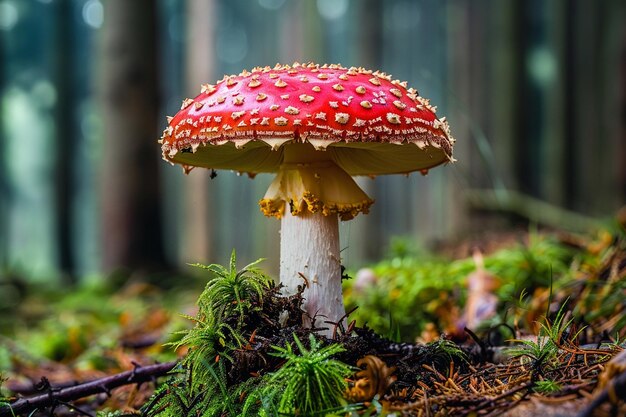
[309, 383]
[393, 333]
[444, 352]
[208, 342]
[231, 289]
[544, 349]
[546, 386]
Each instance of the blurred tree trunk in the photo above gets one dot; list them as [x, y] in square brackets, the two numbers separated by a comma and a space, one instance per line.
[197, 228]
[4, 186]
[599, 29]
[621, 110]
[362, 247]
[65, 135]
[131, 212]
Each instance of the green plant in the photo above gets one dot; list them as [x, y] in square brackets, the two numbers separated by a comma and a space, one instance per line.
[402, 284]
[309, 383]
[615, 344]
[230, 401]
[205, 390]
[4, 402]
[208, 341]
[173, 399]
[544, 349]
[546, 386]
[230, 290]
[228, 293]
[394, 330]
[215, 398]
[448, 350]
[375, 408]
[601, 284]
[409, 279]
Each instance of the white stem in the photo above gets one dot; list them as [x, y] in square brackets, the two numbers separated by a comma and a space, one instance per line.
[309, 245]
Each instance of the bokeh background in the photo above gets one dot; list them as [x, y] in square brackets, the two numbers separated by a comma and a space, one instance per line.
[534, 91]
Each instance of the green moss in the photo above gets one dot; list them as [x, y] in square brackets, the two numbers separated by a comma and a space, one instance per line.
[309, 383]
[415, 288]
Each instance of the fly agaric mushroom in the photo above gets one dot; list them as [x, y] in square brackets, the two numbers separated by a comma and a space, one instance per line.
[316, 127]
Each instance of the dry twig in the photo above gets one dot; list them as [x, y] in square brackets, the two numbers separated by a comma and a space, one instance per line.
[102, 385]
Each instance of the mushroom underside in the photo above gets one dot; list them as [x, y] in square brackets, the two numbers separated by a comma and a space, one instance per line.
[315, 180]
[355, 158]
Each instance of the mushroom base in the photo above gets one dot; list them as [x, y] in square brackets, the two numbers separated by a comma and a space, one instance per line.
[310, 258]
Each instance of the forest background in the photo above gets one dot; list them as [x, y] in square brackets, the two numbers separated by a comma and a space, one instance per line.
[534, 91]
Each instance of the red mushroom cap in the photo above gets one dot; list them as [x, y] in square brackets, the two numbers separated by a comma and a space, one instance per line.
[360, 115]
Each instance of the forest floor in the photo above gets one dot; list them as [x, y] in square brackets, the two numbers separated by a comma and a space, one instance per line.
[570, 362]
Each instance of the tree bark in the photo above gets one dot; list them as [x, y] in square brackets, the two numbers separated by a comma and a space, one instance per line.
[131, 212]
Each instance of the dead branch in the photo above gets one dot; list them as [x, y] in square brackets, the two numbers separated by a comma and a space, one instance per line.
[54, 396]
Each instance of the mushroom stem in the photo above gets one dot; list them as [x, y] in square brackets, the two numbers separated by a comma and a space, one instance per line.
[309, 246]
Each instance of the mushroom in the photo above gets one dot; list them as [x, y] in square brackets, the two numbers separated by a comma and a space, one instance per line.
[315, 127]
